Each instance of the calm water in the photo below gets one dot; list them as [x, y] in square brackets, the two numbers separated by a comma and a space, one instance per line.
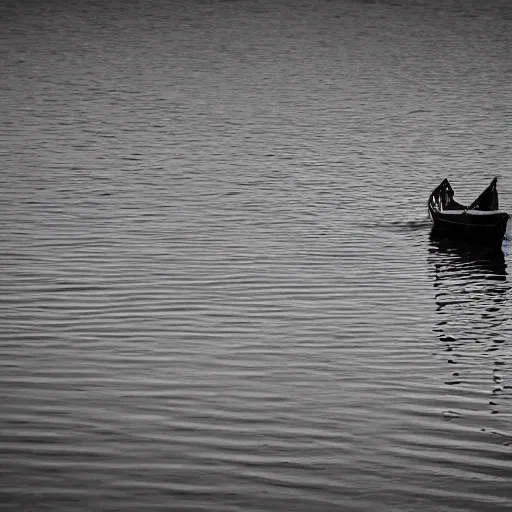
[218, 291]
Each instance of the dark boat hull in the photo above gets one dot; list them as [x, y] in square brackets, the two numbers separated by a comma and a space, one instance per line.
[480, 223]
[488, 228]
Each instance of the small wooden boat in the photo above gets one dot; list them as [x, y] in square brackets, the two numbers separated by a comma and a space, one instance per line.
[482, 222]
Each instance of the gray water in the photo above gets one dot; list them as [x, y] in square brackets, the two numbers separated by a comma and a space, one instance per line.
[218, 290]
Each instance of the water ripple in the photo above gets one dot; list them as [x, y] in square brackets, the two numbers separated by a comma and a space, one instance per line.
[218, 286]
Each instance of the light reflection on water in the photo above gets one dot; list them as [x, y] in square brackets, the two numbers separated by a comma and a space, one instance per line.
[472, 297]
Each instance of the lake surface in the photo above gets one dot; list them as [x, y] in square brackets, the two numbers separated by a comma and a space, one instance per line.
[219, 292]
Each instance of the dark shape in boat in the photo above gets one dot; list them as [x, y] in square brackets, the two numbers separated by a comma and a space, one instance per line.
[480, 223]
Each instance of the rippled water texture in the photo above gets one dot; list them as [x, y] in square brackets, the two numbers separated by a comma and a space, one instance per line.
[219, 292]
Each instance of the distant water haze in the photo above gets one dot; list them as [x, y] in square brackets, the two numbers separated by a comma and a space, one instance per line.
[218, 289]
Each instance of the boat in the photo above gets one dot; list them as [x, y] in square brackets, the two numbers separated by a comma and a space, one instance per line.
[481, 222]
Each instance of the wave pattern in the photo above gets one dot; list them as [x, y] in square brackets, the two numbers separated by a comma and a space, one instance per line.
[218, 287]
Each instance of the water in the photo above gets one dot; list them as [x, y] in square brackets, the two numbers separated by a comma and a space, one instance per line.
[218, 286]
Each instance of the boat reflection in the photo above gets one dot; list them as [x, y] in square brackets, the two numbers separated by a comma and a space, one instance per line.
[472, 295]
